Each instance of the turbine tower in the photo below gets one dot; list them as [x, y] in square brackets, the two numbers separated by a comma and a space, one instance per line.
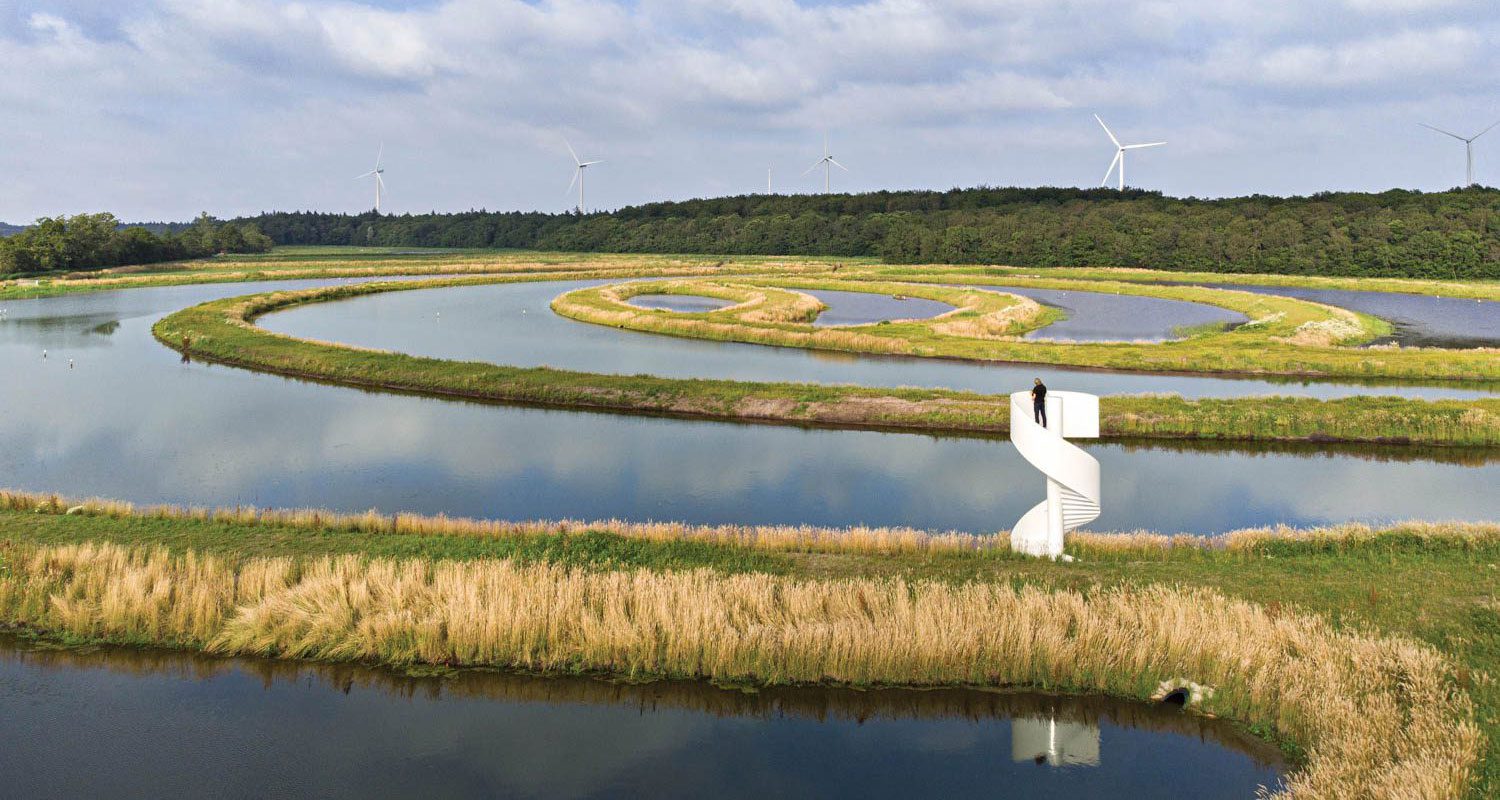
[578, 168]
[376, 173]
[1120, 154]
[1468, 147]
[825, 162]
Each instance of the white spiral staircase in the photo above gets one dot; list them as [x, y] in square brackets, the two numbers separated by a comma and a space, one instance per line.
[1072, 474]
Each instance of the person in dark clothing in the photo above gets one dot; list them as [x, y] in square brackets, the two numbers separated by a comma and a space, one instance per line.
[1039, 402]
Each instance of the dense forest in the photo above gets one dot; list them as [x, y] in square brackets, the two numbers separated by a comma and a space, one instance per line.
[96, 241]
[1394, 233]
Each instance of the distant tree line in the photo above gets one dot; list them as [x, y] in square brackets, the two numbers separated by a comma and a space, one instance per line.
[96, 241]
[1394, 233]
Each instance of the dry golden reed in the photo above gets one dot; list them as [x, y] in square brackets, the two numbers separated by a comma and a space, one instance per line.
[1378, 716]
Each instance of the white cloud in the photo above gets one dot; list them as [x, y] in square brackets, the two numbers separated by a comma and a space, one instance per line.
[472, 96]
[1408, 6]
[1396, 59]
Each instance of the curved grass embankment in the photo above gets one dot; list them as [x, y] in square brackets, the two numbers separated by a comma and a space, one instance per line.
[1365, 712]
[298, 263]
[1284, 336]
[222, 331]
[1486, 290]
[771, 311]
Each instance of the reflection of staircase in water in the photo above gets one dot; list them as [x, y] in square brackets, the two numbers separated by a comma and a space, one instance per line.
[1072, 474]
[1044, 740]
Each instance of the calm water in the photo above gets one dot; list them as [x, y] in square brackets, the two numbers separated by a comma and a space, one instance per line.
[686, 303]
[1421, 320]
[865, 308]
[132, 421]
[513, 324]
[121, 723]
[1097, 316]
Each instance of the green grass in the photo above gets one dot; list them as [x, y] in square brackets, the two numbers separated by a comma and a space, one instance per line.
[1403, 580]
[1284, 336]
[1471, 289]
[595, 550]
[288, 263]
[219, 331]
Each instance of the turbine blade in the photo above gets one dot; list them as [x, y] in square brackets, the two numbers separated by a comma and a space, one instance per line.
[1138, 146]
[1119, 154]
[1107, 131]
[571, 151]
[366, 175]
[837, 164]
[379, 154]
[1486, 130]
[576, 171]
[815, 165]
[589, 163]
[1446, 133]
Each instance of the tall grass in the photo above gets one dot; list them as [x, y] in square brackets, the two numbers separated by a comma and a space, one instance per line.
[1377, 716]
[856, 540]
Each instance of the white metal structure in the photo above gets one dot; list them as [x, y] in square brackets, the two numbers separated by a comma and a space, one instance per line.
[578, 168]
[825, 162]
[1120, 154]
[1468, 147]
[376, 173]
[1044, 740]
[1072, 474]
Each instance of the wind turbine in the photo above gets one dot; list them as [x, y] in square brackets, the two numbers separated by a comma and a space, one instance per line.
[1120, 154]
[1468, 147]
[377, 172]
[825, 162]
[578, 169]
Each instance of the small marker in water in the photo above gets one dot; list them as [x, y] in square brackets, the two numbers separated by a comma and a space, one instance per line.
[44, 352]
[70, 363]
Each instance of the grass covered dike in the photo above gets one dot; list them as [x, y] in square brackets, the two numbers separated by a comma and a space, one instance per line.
[306, 263]
[1283, 336]
[1366, 653]
[222, 331]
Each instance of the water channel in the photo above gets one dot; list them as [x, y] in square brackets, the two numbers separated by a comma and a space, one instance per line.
[129, 420]
[1420, 320]
[129, 723]
[513, 324]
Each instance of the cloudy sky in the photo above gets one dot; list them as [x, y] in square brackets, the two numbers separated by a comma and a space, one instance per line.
[160, 109]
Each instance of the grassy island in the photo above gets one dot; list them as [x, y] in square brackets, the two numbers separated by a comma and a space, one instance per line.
[222, 331]
[1282, 335]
